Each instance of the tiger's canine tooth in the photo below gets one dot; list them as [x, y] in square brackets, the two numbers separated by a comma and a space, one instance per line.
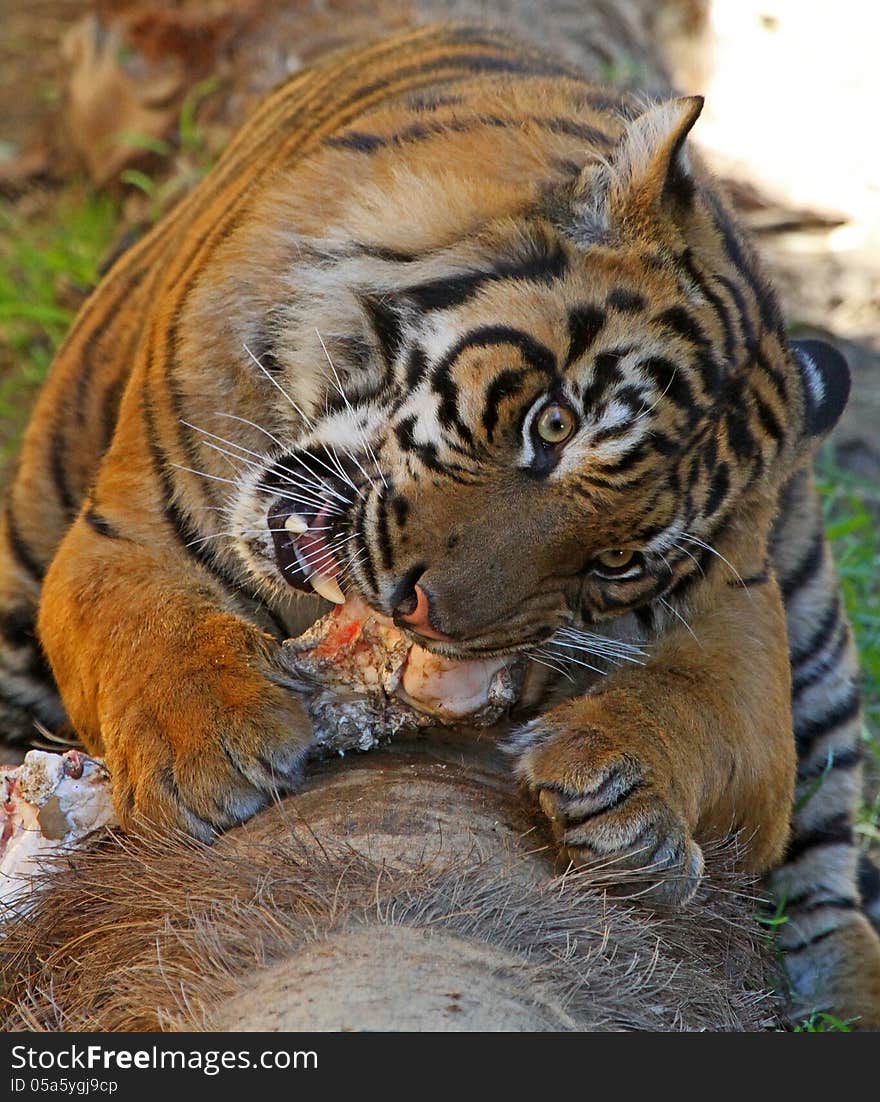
[328, 588]
[296, 525]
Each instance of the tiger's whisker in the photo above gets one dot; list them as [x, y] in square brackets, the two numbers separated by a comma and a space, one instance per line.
[702, 543]
[279, 388]
[362, 434]
[680, 618]
[545, 660]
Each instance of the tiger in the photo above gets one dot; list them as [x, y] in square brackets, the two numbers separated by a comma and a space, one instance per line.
[451, 328]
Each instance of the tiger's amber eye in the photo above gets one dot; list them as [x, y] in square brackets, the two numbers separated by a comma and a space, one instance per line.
[555, 423]
[616, 558]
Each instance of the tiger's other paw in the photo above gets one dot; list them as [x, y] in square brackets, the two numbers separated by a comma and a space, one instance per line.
[209, 738]
[606, 809]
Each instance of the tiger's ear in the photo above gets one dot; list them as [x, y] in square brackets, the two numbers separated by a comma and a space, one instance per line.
[825, 384]
[648, 176]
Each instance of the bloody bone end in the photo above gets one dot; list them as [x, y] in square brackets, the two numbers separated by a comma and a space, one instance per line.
[365, 681]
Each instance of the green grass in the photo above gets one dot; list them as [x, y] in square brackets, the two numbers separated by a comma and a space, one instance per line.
[852, 508]
[823, 1023]
[46, 267]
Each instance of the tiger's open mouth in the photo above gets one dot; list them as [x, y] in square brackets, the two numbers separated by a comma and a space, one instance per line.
[306, 550]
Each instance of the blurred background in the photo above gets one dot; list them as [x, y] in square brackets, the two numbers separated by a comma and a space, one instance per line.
[110, 110]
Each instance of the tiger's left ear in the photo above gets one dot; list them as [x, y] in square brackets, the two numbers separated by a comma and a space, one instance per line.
[825, 385]
[647, 180]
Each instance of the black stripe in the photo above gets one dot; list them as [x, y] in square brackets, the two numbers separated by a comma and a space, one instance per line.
[505, 385]
[89, 350]
[869, 880]
[821, 637]
[808, 732]
[775, 377]
[444, 294]
[606, 373]
[838, 903]
[718, 490]
[623, 462]
[742, 310]
[22, 554]
[767, 417]
[837, 759]
[739, 433]
[584, 325]
[621, 106]
[366, 563]
[386, 548]
[401, 509]
[735, 248]
[800, 684]
[684, 325]
[416, 367]
[537, 355]
[17, 627]
[572, 128]
[446, 387]
[814, 940]
[359, 141]
[626, 301]
[356, 141]
[59, 473]
[750, 580]
[110, 410]
[836, 831]
[387, 324]
[100, 524]
[671, 381]
[807, 568]
[361, 248]
[427, 453]
[705, 288]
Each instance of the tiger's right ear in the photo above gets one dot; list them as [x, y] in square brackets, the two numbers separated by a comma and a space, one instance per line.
[825, 385]
[647, 181]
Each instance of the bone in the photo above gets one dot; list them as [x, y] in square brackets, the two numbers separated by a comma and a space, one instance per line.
[51, 802]
[364, 681]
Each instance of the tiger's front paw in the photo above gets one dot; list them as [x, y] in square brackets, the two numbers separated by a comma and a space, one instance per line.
[209, 737]
[606, 808]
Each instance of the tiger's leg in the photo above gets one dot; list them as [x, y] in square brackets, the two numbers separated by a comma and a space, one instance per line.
[27, 691]
[159, 666]
[186, 700]
[832, 953]
[697, 743]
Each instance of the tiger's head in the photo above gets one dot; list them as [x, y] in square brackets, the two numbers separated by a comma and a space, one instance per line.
[543, 421]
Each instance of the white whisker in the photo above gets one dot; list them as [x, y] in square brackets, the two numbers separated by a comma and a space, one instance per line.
[714, 551]
[348, 406]
[279, 388]
[547, 661]
[680, 618]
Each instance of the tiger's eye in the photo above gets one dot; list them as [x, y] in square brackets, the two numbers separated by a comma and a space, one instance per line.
[555, 424]
[615, 558]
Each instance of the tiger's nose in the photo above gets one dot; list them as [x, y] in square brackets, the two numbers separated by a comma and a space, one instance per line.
[415, 613]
